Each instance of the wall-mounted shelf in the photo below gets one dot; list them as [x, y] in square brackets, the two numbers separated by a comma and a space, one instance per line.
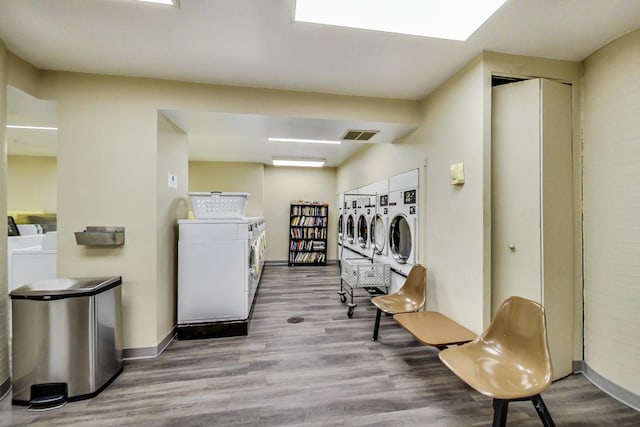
[100, 236]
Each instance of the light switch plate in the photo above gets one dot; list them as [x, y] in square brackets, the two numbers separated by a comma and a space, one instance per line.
[173, 181]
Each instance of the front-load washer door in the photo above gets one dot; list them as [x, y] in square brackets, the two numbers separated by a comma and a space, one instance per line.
[255, 256]
[350, 229]
[253, 268]
[378, 234]
[363, 231]
[400, 239]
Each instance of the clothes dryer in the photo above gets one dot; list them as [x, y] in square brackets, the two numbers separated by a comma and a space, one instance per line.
[365, 211]
[341, 225]
[403, 221]
[379, 226]
[349, 241]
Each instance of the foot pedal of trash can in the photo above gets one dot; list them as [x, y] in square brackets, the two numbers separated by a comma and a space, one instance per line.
[48, 396]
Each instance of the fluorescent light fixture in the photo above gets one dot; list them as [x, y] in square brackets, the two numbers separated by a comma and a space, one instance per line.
[305, 141]
[31, 127]
[443, 19]
[174, 3]
[312, 163]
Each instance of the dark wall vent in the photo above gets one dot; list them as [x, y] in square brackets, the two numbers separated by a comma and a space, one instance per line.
[359, 135]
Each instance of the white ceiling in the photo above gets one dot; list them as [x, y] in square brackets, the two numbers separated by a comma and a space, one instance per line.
[254, 43]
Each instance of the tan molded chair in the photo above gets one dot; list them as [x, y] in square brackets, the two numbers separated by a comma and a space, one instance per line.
[510, 361]
[410, 297]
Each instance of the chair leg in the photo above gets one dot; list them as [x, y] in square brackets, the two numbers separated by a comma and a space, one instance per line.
[500, 407]
[542, 411]
[376, 326]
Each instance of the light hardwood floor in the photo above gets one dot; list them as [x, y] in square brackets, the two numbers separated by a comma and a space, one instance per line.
[324, 371]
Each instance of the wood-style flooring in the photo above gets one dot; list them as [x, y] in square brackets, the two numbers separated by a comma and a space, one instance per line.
[324, 371]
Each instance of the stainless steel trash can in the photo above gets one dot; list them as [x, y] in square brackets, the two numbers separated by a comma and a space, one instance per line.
[67, 339]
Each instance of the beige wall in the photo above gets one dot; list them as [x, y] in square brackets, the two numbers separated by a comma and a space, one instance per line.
[107, 172]
[271, 191]
[172, 205]
[284, 184]
[4, 299]
[612, 212]
[231, 177]
[455, 241]
[22, 75]
[107, 153]
[32, 184]
[451, 218]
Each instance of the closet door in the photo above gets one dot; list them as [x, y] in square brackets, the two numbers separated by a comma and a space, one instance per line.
[532, 211]
[557, 223]
[515, 189]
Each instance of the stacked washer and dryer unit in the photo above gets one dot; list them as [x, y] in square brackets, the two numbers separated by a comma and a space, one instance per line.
[366, 212]
[389, 208]
[341, 221]
[220, 263]
[403, 225]
[350, 238]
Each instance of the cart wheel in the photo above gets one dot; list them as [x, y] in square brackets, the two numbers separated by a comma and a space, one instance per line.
[350, 312]
[343, 298]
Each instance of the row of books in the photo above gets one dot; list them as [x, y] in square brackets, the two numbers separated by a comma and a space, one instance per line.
[308, 233]
[307, 257]
[309, 210]
[308, 245]
[308, 221]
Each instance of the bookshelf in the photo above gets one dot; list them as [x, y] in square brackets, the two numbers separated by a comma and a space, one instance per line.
[308, 233]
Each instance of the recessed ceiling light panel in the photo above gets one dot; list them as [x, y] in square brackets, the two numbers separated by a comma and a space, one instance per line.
[31, 127]
[444, 19]
[305, 141]
[313, 163]
[174, 3]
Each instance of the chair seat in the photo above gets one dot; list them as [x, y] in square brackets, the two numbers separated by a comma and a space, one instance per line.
[395, 303]
[494, 372]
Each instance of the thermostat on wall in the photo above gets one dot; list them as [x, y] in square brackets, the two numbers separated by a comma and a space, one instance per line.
[457, 173]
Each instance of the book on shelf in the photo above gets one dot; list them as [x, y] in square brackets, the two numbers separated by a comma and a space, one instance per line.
[300, 210]
[308, 221]
[307, 257]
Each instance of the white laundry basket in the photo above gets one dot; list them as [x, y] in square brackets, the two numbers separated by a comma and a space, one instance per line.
[216, 204]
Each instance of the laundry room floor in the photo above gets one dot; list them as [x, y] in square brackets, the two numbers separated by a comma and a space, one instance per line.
[305, 363]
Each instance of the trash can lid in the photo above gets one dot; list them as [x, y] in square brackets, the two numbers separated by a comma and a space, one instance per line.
[51, 289]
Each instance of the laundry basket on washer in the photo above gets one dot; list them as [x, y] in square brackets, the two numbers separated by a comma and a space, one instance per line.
[218, 205]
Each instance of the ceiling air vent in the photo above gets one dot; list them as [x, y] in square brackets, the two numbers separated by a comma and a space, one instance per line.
[359, 135]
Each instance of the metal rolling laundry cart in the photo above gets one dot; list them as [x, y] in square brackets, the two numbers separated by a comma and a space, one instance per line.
[67, 339]
[374, 277]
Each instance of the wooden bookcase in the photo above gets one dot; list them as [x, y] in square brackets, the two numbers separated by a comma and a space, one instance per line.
[308, 233]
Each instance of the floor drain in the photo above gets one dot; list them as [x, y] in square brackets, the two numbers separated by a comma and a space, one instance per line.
[295, 320]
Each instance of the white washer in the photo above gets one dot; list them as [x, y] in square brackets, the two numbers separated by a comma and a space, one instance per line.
[256, 256]
[218, 269]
